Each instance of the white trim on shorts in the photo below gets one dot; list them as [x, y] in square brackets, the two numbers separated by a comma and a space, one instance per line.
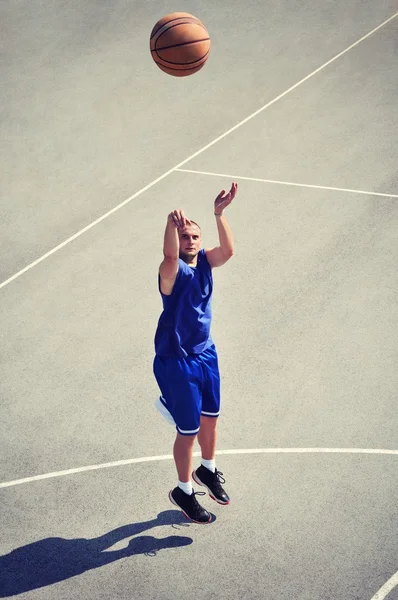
[209, 414]
[159, 404]
[187, 431]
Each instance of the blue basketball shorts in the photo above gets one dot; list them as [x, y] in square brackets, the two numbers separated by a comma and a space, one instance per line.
[190, 387]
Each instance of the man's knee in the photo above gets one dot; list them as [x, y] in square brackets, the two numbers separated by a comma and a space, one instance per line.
[185, 440]
[208, 423]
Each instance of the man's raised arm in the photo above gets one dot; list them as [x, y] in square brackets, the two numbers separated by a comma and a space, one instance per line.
[219, 255]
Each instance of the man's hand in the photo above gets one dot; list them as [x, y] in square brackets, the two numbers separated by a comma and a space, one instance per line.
[224, 199]
[178, 219]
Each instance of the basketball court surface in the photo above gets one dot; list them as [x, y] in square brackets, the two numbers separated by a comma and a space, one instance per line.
[298, 104]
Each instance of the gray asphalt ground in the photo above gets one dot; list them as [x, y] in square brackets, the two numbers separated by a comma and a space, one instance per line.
[305, 314]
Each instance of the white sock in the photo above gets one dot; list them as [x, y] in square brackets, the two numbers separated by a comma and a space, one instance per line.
[186, 487]
[209, 464]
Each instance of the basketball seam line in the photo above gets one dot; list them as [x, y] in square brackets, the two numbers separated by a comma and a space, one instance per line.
[182, 64]
[188, 68]
[183, 20]
[172, 27]
[187, 20]
[177, 45]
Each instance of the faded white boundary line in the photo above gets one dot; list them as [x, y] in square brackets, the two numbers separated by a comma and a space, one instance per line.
[220, 137]
[291, 183]
[132, 461]
[387, 588]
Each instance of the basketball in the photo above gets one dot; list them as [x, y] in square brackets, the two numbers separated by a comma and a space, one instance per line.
[180, 44]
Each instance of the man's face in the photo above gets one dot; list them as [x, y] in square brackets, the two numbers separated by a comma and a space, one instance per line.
[190, 241]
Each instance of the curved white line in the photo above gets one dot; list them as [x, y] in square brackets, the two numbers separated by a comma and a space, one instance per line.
[387, 588]
[131, 461]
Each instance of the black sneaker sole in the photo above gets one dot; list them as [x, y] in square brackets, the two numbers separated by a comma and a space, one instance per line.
[199, 482]
[184, 513]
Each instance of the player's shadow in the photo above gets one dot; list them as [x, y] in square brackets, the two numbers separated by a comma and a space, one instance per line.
[54, 559]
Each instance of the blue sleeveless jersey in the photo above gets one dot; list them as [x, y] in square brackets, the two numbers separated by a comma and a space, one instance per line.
[184, 325]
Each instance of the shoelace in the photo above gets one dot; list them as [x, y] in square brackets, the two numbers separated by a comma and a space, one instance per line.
[199, 494]
[193, 498]
[218, 481]
[219, 476]
[195, 504]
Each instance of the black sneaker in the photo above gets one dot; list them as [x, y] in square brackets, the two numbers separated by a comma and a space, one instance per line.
[189, 505]
[212, 481]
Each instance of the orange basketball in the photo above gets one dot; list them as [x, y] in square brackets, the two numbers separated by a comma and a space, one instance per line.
[180, 44]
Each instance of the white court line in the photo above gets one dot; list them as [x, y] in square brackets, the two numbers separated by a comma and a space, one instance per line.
[387, 588]
[131, 461]
[304, 185]
[220, 137]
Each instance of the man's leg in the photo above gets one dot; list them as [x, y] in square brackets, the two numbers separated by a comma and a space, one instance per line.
[183, 449]
[207, 437]
[183, 495]
[176, 379]
[207, 474]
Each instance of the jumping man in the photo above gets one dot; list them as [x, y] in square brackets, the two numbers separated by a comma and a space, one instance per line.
[186, 364]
